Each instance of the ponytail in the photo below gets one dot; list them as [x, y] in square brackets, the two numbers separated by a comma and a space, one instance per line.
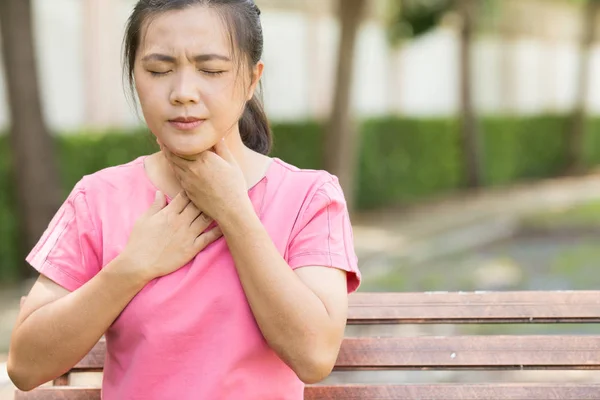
[254, 127]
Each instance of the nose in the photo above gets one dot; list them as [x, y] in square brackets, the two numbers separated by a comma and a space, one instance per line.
[185, 89]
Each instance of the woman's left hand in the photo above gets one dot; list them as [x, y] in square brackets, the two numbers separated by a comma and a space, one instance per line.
[213, 181]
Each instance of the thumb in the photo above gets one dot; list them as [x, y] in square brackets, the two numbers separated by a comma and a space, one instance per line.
[223, 151]
[158, 204]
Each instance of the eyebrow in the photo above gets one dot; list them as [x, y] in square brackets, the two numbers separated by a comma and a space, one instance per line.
[172, 60]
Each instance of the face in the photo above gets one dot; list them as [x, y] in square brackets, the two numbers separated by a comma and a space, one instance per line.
[191, 90]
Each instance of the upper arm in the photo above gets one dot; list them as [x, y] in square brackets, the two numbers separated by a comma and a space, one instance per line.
[323, 237]
[69, 252]
[329, 285]
[44, 291]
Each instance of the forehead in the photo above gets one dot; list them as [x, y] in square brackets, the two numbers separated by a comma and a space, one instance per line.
[196, 28]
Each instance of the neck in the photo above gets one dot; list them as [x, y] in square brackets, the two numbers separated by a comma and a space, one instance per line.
[252, 164]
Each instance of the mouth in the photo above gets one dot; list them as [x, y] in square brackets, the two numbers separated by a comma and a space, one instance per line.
[186, 123]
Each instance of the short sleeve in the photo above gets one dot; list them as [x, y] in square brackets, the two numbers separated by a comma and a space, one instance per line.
[68, 251]
[323, 235]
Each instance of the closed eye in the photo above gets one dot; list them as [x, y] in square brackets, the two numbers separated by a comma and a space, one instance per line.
[158, 73]
[213, 73]
[207, 72]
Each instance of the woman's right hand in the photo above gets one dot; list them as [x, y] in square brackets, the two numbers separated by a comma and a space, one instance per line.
[165, 238]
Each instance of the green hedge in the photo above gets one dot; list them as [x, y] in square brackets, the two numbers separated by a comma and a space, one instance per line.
[8, 221]
[401, 160]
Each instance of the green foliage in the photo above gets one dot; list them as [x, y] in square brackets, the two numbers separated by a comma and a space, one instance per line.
[525, 148]
[410, 19]
[401, 160]
[299, 144]
[8, 219]
[413, 18]
[592, 142]
[85, 154]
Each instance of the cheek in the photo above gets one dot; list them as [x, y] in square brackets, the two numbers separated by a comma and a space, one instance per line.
[149, 98]
[225, 104]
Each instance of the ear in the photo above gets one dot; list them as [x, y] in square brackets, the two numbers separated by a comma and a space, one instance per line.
[257, 72]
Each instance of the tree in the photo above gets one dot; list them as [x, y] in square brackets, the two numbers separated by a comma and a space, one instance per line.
[34, 165]
[413, 18]
[576, 144]
[470, 138]
[341, 139]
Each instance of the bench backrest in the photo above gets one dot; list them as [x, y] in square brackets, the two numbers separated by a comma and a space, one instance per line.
[473, 352]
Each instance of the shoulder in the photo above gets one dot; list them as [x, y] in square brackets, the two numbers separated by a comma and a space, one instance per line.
[308, 182]
[112, 179]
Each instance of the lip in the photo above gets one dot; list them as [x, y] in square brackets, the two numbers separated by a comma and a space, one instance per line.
[186, 123]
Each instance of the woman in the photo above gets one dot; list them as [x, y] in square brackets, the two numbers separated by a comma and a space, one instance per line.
[214, 271]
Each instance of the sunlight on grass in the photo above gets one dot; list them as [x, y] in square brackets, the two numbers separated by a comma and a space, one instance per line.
[585, 216]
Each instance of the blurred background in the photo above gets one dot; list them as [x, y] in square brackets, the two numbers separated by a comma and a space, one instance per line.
[465, 133]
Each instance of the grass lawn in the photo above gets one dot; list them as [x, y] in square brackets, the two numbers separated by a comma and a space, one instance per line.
[585, 215]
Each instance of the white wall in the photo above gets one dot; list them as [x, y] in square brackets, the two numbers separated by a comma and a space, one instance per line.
[80, 73]
[57, 29]
[287, 73]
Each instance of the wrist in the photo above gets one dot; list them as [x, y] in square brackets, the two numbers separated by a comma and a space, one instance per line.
[129, 270]
[236, 217]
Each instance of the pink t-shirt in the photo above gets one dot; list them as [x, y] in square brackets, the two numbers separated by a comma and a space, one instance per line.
[191, 334]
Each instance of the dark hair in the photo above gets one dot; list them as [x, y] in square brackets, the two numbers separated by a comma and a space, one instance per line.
[243, 20]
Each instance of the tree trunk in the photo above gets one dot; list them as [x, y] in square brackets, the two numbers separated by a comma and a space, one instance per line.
[470, 136]
[575, 159]
[341, 140]
[34, 166]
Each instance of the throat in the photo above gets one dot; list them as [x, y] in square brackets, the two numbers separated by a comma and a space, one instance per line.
[161, 174]
[255, 167]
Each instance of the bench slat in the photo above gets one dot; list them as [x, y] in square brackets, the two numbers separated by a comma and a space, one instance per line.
[471, 352]
[94, 360]
[455, 392]
[475, 307]
[62, 393]
[454, 352]
[386, 392]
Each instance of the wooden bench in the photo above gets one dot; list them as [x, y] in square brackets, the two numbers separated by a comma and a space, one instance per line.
[474, 352]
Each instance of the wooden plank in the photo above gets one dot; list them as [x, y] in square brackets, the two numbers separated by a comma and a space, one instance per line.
[454, 352]
[456, 392]
[565, 391]
[475, 307]
[471, 352]
[59, 393]
[94, 360]
[61, 380]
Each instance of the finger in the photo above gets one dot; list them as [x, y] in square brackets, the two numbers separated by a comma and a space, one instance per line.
[190, 212]
[158, 204]
[201, 222]
[222, 150]
[207, 238]
[180, 202]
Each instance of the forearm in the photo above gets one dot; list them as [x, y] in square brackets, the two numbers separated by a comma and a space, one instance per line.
[58, 335]
[291, 317]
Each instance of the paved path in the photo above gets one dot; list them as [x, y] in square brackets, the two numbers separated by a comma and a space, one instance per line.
[463, 221]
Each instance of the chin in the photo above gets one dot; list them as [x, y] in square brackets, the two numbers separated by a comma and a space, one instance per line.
[186, 149]
[187, 153]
